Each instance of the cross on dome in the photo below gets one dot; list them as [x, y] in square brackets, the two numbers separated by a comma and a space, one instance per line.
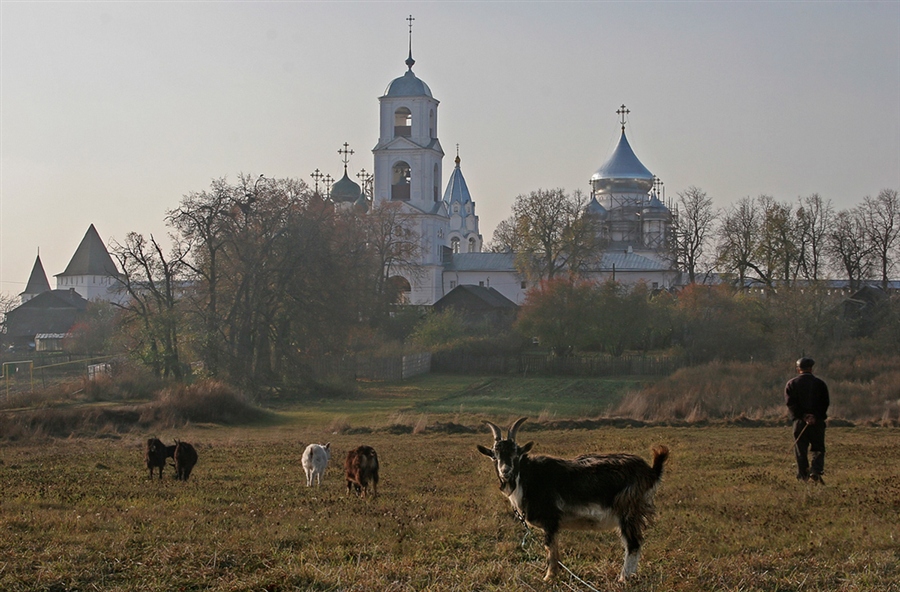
[622, 112]
[345, 153]
[410, 61]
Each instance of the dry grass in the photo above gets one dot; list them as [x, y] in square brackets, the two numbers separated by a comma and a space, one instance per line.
[80, 514]
[863, 390]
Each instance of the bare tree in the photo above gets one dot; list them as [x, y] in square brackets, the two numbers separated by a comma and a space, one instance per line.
[150, 279]
[554, 233]
[849, 250]
[777, 249]
[738, 239]
[814, 218]
[882, 226]
[692, 227]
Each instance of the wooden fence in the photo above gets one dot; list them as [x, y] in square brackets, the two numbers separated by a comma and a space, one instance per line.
[370, 367]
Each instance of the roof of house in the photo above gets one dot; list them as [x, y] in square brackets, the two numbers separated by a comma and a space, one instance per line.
[488, 296]
[54, 311]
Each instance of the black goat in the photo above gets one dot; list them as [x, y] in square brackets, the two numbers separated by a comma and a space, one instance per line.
[590, 492]
[155, 455]
[185, 458]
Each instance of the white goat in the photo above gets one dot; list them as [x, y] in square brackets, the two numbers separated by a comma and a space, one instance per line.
[315, 459]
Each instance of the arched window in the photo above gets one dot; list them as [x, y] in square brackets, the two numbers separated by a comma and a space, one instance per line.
[436, 187]
[454, 244]
[431, 124]
[402, 122]
[471, 245]
[398, 289]
[400, 181]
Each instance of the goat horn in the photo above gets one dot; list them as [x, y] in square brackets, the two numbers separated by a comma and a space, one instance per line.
[498, 435]
[515, 428]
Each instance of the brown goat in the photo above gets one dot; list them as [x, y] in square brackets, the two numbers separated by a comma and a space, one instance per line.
[185, 459]
[361, 467]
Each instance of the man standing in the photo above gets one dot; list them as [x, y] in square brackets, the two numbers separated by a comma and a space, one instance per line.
[806, 397]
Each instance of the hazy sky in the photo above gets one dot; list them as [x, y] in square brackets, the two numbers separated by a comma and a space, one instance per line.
[111, 111]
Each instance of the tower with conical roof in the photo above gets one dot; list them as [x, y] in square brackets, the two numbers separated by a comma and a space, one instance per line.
[463, 235]
[37, 282]
[91, 271]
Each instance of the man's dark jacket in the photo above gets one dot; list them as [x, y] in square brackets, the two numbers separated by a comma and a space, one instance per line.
[805, 394]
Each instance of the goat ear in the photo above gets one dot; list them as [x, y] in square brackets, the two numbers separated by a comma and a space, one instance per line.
[526, 448]
[485, 451]
[328, 446]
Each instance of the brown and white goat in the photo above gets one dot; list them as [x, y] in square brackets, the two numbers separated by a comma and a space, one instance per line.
[590, 492]
[361, 467]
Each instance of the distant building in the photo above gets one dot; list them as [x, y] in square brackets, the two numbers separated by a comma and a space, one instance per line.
[45, 317]
[51, 314]
[625, 198]
[91, 271]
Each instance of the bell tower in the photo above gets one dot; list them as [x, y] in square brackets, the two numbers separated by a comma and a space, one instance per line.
[408, 155]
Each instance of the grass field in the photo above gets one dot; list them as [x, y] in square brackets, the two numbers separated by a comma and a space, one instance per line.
[81, 513]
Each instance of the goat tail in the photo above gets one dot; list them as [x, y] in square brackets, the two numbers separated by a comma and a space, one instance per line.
[660, 455]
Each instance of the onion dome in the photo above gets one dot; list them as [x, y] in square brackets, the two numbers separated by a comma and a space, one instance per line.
[594, 208]
[623, 172]
[655, 209]
[345, 190]
[361, 204]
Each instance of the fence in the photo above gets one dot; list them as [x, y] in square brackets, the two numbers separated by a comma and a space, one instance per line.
[371, 368]
[546, 364]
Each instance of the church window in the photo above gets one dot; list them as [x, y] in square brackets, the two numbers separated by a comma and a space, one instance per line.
[454, 244]
[481, 284]
[436, 177]
[431, 124]
[522, 285]
[471, 245]
[402, 122]
[452, 284]
[400, 181]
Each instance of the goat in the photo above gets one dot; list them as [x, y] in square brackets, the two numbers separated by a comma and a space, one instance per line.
[361, 467]
[315, 459]
[590, 492]
[185, 458]
[155, 455]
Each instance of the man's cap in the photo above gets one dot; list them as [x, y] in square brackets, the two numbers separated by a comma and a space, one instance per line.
[805, 363]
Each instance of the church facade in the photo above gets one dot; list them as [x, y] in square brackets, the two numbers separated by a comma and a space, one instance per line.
[408, 169]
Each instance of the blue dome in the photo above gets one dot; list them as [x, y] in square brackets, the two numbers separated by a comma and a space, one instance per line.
[408, 85]
[655, 208]
[594, 208]
[345, 191]
[457, 191]
[623, 171]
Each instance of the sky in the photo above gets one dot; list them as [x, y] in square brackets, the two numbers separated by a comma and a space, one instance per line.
[111, 112]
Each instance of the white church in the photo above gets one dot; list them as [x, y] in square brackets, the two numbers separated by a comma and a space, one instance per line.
[408, 168]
